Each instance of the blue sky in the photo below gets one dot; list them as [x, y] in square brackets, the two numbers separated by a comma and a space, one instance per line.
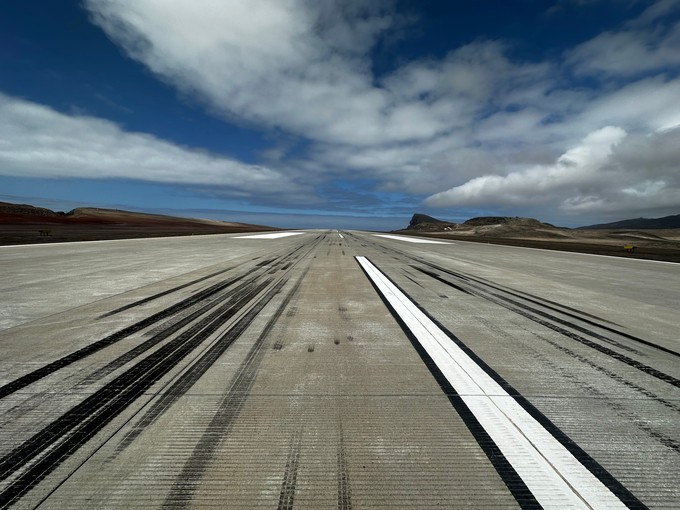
[346, 114]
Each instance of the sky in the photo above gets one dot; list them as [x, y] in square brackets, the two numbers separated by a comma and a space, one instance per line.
[343, 113]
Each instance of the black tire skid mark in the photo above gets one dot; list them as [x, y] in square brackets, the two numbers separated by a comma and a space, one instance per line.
[619, 409]
[489, 295]
[524, 295]
[186, 483]
[634, 363]
[197, 370]
[189, 378]
[175, 289]
[414, 281]
[149, 375]
[92, 348]
[292, 309]
[604, 350]
[288, 485]
[68, 432]
[546, 303]
[527, 312]
[34, 401]
[164, 293]
[158, 334]
[344, 486]
[163, 334]
[40, 373]
[442, 280]
[541, 302]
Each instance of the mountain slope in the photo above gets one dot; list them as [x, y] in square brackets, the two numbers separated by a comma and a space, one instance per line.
[23, 223]
[640, 223]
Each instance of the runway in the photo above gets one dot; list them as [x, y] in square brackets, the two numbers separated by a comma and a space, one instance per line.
[327, 369]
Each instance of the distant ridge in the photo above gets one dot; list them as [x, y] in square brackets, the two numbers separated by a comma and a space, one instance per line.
[418, 219]
[629, 239]
[482, 225]
[23, 223]
[640, 223]
[28, 214]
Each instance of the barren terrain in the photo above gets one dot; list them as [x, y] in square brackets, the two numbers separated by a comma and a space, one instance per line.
[653, 244]
[25, 224]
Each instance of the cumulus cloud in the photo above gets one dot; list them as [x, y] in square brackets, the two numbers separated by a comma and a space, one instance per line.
[294, 64]
[305, 67]
[602, 174]
[37, 141]
[577, 167]
[473, 128]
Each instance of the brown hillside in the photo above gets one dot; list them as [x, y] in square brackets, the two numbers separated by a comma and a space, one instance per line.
[22, 223]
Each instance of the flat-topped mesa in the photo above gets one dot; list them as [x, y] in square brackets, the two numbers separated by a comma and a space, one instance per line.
[422, 218]
[425, 222]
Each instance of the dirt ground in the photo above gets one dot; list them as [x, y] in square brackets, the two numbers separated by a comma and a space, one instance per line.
[28, 225]
[649, 244]
[14, 234]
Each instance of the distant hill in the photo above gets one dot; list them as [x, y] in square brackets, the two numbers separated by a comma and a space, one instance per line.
[24, 213]
[425, 222]
[639, 223]
[7, 209]
[24, 223]
[614, 239]
[503, 226]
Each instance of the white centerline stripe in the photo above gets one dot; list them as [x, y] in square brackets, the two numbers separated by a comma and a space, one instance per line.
[275, 235]
[553, 475]
[411, 239]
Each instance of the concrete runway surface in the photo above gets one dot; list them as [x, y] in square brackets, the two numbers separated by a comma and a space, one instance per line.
[326, 369]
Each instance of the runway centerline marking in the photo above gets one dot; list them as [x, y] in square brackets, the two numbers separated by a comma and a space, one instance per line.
[275, 235]
[411, 239]
[552, 474]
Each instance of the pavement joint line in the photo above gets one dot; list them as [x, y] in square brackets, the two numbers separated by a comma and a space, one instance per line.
[418, 240]
[553, 475]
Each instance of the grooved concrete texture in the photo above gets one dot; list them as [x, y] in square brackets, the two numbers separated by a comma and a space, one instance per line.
[287, 383]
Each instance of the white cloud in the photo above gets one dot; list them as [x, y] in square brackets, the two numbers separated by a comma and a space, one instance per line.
[37, 141]
[650, 104]
[610, 170]
[279, 63]
[576, 168]
[489, 129]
